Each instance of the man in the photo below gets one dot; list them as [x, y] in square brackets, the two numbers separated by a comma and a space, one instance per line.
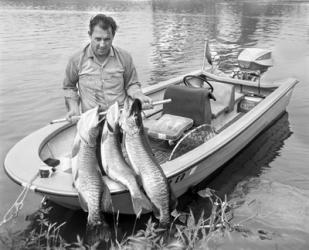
[101, 74]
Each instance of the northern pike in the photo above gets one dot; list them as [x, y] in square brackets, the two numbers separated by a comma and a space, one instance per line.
[143, 162]
[114, 163]
[93, 193]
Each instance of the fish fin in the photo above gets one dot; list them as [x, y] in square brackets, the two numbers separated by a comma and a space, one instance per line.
[139, 202]
[106, 202]
[83, 203]
[97, 233]
[76, 146]
[74, 176]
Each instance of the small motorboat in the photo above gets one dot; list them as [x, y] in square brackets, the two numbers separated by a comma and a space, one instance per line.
[211, 118]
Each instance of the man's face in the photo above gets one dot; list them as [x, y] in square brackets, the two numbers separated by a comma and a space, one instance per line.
[101, 40]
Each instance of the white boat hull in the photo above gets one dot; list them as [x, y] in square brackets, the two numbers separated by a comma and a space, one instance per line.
[182, 172]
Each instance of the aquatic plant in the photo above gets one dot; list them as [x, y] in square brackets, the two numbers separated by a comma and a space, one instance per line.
[44, 236]
[185, 231]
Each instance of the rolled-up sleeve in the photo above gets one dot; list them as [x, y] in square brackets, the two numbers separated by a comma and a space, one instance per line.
[71, 79]
[132, 85]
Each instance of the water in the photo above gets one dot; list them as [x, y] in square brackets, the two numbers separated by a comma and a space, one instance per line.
[165, 38]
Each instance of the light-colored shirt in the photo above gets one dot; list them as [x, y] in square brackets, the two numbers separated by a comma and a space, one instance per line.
[100, 83]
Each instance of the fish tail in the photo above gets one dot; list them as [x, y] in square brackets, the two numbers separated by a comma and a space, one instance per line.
[164, 218]
[98, 232]
[139, 202]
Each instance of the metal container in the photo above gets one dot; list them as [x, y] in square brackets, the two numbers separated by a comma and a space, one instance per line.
[248, 103]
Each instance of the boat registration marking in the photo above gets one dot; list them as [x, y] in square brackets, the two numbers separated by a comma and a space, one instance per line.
[180, 177]
[177, 178]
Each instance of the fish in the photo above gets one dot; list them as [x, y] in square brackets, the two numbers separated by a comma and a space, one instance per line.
[114, 163]
[93, 192]
[144, 163]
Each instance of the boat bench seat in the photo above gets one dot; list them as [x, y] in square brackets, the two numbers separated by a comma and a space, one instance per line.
[168, 127]
[217, 109]
[189, 106]
[239, 97]
[226, 98]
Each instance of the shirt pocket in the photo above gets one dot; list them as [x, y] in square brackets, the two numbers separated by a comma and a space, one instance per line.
[113, 79]
[91, 82]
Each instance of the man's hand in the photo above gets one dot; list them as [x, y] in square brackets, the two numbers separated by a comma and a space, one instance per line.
[146, 100]
[71, 114]
[73, 108]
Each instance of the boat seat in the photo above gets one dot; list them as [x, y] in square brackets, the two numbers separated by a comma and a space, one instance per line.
[225, 95]
[239, 96]
[189, 106]
[168, 127]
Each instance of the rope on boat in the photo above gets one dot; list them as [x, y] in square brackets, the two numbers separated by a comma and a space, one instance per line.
[18, 204]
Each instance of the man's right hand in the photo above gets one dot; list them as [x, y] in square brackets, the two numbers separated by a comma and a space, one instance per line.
[71, 115]
[72, 105]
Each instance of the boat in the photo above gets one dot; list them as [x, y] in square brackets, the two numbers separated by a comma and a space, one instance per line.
[245, 105]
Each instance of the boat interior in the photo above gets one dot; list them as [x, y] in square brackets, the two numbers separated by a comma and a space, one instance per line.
[200, 109]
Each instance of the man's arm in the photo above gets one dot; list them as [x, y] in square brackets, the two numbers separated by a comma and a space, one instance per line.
[133, 86]
[71, 96]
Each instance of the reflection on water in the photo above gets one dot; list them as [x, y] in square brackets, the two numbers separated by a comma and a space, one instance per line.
[165, 38]
[253, 159]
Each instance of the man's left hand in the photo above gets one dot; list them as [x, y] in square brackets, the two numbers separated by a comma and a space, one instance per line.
[146, 100]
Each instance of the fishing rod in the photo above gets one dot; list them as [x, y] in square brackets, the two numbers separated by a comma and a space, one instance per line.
[155, 103]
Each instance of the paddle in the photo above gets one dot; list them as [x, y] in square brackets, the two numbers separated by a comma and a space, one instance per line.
[74, 118]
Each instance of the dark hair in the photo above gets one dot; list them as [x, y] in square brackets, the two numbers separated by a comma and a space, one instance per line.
[104, 22]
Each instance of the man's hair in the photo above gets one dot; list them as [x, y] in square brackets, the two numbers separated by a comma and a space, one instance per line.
[104, 22]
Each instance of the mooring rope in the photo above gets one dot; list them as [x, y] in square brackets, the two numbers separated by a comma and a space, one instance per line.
[18, 204]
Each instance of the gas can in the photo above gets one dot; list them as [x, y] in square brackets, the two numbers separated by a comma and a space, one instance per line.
[248, 103]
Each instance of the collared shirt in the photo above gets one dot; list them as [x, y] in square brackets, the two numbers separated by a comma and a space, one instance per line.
[100, 83]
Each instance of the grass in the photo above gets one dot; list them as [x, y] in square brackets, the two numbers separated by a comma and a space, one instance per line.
[185, 231]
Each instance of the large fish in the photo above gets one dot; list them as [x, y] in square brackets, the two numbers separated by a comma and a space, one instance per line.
[114, 163]
[93, 193]
[143, 162]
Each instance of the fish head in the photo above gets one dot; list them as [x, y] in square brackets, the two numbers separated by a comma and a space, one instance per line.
[112, 118]
[88, 125]
[131, 118]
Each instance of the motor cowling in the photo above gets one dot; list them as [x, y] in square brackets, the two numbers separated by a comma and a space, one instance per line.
[252, 62]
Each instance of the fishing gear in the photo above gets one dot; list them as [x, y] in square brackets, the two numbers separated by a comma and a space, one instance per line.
[14, 210]
[75, 118]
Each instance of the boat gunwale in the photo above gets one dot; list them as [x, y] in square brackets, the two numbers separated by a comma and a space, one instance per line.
[286, 87]
[223, 79]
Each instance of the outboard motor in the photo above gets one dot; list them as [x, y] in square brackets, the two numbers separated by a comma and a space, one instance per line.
[253, 62]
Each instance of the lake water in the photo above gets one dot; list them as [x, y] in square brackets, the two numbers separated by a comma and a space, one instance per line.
[270, 177]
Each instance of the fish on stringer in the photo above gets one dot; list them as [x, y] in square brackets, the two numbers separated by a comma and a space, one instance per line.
[144, 164]
[93, 192]
[114, 163]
